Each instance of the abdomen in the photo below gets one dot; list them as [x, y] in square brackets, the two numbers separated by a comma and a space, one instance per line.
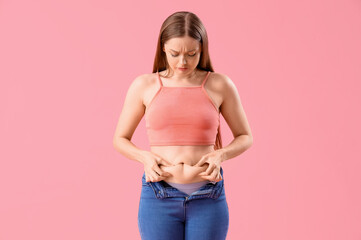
[184, 173]
[183, 159]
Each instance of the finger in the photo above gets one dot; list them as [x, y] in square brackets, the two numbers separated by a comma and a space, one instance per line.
[158, 170]
[161, 161]
[219, 177]
[154, 176]
[211, 177]
[214, 174]
[166, 163]
[206, 177]
[159, 178]
[210, 169]
[147, 178]
[205, 172]
[200, 162]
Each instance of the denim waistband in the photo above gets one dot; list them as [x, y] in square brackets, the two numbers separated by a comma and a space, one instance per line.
[164, 190]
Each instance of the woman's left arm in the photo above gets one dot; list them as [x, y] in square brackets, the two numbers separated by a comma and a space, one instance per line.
[233, 112]
[235, 116]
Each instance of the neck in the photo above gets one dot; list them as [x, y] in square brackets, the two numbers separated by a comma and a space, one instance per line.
[182, 77]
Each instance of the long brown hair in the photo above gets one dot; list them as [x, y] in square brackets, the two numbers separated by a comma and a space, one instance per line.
[181, 24]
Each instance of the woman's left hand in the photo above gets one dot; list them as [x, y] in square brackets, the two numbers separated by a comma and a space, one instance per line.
[214, 159]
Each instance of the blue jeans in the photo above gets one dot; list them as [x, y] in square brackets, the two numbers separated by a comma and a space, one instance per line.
[165, 213]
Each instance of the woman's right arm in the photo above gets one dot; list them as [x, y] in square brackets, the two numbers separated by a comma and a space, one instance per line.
[130, 116]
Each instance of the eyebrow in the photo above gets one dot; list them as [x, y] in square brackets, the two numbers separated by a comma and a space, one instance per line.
[188, 51]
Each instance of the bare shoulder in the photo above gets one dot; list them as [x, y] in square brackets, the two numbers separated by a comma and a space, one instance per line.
[221, 79]
[221, 84]
[145, 85]
[146, 80]
[143, 82]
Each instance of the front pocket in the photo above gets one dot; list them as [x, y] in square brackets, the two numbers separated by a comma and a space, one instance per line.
[144, 182]
[218, 189]
[154, 189]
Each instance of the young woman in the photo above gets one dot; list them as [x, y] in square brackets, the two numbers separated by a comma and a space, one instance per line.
[183, 190]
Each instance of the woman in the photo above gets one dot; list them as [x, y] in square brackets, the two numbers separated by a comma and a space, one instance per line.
[183, 193]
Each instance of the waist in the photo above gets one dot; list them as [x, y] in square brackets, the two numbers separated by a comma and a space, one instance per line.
[184, 173]
[183, 159]
[185, 154]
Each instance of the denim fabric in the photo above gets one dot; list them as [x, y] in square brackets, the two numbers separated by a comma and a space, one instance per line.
[165, 213]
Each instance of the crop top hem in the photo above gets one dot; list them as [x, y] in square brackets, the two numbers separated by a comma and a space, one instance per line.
[181, 143]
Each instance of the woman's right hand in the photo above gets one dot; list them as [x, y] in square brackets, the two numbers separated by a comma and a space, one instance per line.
[153, 173]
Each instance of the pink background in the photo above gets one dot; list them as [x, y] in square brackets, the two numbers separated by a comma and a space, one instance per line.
[65, 67]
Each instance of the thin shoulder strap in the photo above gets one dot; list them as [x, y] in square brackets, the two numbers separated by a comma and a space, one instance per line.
[205, 79]
[160, 81]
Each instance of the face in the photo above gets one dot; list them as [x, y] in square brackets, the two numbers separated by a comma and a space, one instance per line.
[182, 52]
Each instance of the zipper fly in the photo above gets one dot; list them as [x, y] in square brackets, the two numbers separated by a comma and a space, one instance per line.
[185, 200]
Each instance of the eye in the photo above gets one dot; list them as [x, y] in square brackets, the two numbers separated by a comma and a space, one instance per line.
[188, 55]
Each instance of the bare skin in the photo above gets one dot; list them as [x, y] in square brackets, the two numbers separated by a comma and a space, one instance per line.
[181, 161]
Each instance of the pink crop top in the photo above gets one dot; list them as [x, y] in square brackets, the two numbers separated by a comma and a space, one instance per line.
[182, 116]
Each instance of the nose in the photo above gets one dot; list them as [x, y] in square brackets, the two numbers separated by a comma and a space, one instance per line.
[183, 60]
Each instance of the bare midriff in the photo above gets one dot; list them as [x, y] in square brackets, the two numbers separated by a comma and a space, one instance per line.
[183, 159]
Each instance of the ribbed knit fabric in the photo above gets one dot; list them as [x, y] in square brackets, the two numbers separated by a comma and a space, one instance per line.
[182, 116]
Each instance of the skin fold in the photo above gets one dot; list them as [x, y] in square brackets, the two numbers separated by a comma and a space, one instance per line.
[184, 173]
[183, 159]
